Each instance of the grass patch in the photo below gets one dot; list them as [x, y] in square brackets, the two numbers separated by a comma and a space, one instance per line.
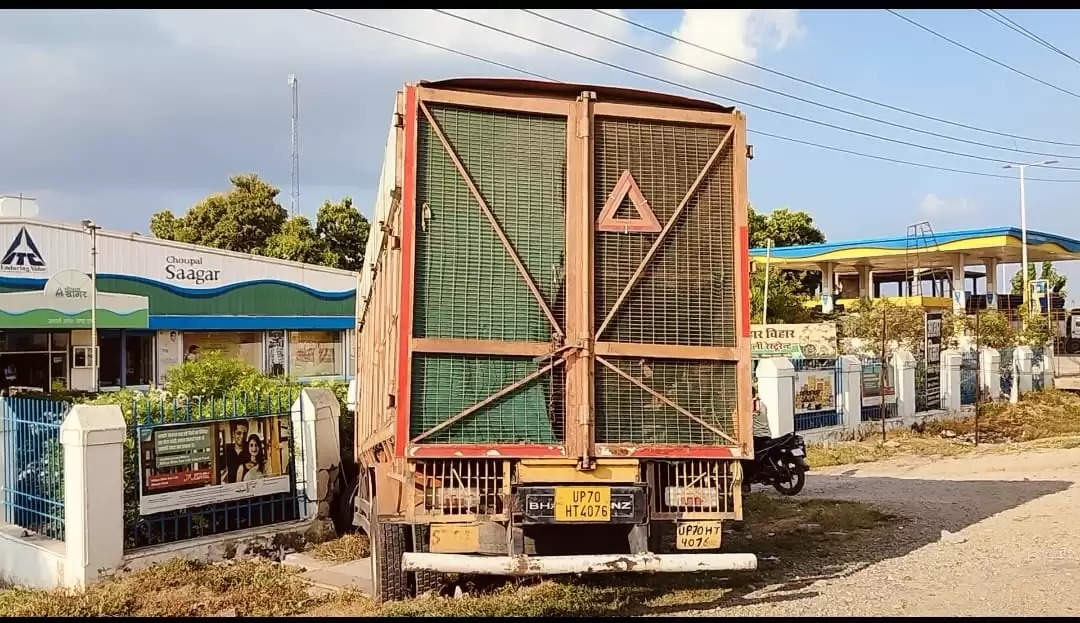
[349, 547]
[1047, 419]
[176, 588]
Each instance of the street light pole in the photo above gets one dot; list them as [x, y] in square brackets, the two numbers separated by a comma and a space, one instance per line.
[1023, 225]
[91, 227]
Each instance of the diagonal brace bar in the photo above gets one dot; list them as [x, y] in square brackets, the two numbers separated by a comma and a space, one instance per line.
[667, 229]
[486, 401]
[664, 399]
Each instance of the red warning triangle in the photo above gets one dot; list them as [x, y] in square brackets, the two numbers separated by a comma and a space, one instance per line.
[646, 220]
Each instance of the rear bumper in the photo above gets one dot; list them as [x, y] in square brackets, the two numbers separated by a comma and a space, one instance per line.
[558, 565]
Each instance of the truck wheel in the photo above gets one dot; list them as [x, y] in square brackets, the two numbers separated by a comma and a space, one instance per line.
[1072, 347]
[425, 581]
[388, 542]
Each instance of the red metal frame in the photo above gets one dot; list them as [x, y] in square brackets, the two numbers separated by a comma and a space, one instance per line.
[667, 451]
[510, 450]
[408, 242]
[743, 240]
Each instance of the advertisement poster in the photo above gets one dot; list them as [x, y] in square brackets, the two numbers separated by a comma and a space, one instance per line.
[168, 353]
[314, 354]
[196, 464]
[814, 391]
[808, 341]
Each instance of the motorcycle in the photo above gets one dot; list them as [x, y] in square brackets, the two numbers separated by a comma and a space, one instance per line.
[780, 462]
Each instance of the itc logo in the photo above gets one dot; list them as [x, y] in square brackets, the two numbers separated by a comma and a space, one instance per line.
[23, 255]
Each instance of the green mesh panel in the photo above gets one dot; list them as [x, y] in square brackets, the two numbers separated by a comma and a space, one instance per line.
[686, 294]
[445, 385]
[466, 284]
[625, 413]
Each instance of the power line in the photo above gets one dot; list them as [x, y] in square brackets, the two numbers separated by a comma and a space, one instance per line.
[981, 55]
[788, 95]
[895, 160]
[828, 88]
[1005, 21]
[794, 140]
[724, 97]
[433, 45]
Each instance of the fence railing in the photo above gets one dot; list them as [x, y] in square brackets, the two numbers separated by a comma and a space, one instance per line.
[876, 401]
[206, 466]
[33, 464]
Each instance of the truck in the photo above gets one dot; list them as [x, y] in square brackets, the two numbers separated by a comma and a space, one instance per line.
[553, 335]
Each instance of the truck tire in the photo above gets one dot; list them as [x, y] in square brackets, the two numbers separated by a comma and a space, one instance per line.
[425, 581]
[388, 542]
[1072, 347]
[390, 582]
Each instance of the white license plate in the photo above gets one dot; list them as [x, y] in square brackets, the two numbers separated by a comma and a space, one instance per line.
[797, 452]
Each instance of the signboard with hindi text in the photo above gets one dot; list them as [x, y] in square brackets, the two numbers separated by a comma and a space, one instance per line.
[806, 341]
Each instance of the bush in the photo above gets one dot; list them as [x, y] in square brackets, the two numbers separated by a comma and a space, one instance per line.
[214, 374]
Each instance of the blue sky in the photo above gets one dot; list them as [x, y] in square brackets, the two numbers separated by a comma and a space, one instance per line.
[118, 114]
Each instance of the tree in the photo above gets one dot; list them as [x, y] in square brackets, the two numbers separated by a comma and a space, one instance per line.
[788, 290]
[298, 242]
[904, 326]
[345, 232]
[1055, 279]
[249, 219]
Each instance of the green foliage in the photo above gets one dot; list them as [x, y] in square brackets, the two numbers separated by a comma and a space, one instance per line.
[1055, 279]
[345, 232]
[994, 329]
[788, 290]
[1037, 330]
[903, 325]
[214, 374]
[785, 297]
[243, 219]
[249, 219]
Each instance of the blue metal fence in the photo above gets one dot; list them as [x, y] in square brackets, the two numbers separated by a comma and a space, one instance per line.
[1008, 369]
[969, 374]
[33, 466]
[874, 404]
[208, 466]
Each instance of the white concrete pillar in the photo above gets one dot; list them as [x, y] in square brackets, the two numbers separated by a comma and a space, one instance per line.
[951, 364]
[990, 373]
[315, 417]
[903, 363]
[776, 389]
[990, 264]
[958, 295]
[865, 291]
[827, 291]
[849, 398]
[93, 440]
[1022, 381]
[1048, 367]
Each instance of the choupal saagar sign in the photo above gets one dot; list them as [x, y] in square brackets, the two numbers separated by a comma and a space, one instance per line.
[809, 341]
[65, 302]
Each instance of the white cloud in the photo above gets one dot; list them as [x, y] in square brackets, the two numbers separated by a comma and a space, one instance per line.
[742, 33]
[947, 209]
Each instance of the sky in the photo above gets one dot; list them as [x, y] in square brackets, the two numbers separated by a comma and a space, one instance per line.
[115, 115]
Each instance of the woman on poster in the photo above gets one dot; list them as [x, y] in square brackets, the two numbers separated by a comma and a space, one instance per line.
[255, 467]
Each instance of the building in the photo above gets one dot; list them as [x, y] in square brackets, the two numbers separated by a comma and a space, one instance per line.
[922, 268]
[158, 303]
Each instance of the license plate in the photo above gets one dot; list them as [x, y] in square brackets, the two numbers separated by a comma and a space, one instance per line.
[582, 504]
[797, 452]
[698, 535]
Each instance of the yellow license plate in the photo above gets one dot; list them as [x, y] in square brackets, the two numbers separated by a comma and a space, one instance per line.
[698, 535]
[582, 504]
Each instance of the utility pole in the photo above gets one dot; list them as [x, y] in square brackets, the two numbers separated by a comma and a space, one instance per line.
[1023, 228]
[294, 207]
[91, 227]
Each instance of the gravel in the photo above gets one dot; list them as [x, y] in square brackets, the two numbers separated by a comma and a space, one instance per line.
[982, 535]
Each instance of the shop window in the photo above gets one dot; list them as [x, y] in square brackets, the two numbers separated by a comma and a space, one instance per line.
[247, 346]
[82, 357]
[315, 353]
[110, 364]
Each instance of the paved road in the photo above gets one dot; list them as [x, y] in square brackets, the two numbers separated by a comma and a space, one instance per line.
[1017, 549]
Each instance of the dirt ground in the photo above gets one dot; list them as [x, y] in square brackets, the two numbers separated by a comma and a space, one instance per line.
[1014, 547]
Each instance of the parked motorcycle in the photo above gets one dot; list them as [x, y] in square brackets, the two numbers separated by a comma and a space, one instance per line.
[780, 462]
